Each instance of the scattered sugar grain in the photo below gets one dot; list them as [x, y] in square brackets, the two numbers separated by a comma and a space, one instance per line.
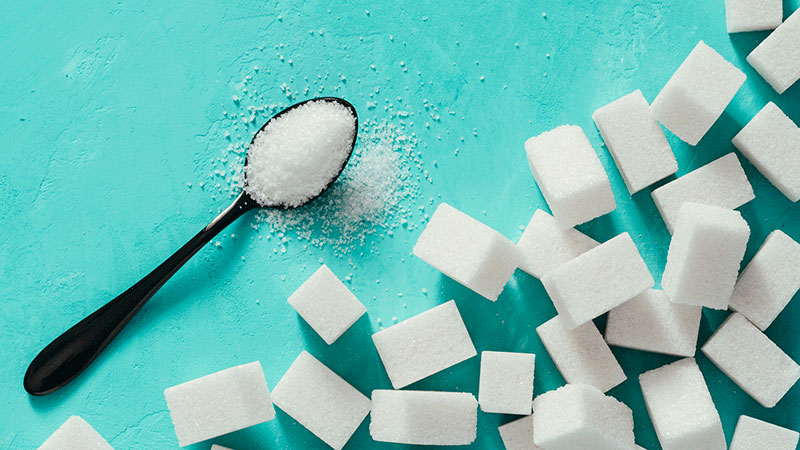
[369, 198]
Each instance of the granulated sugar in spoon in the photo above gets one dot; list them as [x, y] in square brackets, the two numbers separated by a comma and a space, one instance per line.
[291, 161]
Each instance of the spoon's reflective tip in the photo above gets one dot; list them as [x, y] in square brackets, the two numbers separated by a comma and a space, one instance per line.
[34, 385]
[337, 100]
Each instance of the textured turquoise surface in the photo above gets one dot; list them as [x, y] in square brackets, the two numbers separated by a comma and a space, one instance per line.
[108, 109]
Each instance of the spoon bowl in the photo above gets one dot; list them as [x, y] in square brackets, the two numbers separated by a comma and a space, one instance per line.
[352, 145]
[72, 352]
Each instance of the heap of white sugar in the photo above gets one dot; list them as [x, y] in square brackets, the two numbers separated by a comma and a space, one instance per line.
[298, 154]
[372, 196]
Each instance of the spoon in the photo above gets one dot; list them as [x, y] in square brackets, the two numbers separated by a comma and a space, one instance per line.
[72, 352]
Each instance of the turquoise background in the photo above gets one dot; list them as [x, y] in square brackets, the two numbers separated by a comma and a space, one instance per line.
[108, 109]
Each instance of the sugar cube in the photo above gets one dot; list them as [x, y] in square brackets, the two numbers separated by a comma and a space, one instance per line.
[652, 323]
[506, 382]
[326, 304]
[597, 281]
[219, 403]
[721, 182]
[570, 175]
[681, 408]
[704, 255]
[749, 358]
[423, 417]
[578, 416]
[518, 434]
[777, 58]
[545, 245]
[636, 141]
[769, 281]
[424, 344]
[321, 400]
[467, 251]
[753, 15]
[697, 94]
[581, 355]
[771, 141]
[75, 434]
[756, 434]
[219, 447]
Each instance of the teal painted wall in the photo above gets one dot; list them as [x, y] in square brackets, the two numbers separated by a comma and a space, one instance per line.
[108, 109]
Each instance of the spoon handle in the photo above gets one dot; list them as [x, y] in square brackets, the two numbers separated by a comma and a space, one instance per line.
[72, 352]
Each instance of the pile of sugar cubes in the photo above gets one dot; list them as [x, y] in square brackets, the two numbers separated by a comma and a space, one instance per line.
[584, 279]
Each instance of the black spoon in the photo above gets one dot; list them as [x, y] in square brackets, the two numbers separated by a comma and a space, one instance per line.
[72, 352]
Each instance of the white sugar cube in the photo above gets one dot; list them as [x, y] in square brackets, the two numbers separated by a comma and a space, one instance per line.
[681, 408]
[219, 447]
[636, 141]
[578, 416]
[749, 358]
[753, 15]
[598, 280]
[506, 382]
[697, 94]
[753, 434]
[518, 434]
[721, 182]
[769, 281]
[777, 58]
[771, 141]
[423, 417]
[219, 403]
[467, 251]
[75, 434]
[704, 255]
[652, 323]
[320, 400]
[545, 245]
[326, 304]
[570, 176]
[581, 355]
[424, 344]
